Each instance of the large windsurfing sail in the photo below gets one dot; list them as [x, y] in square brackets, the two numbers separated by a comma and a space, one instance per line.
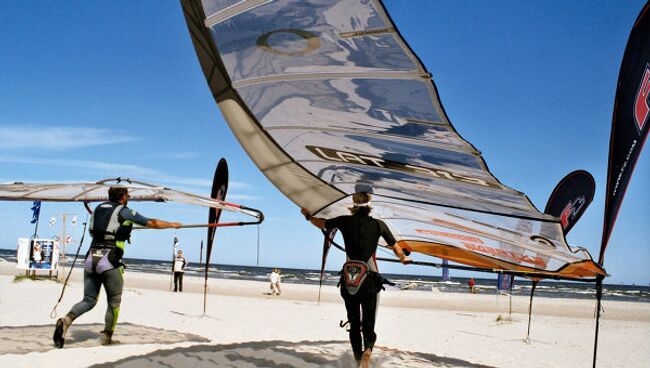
[328, 99]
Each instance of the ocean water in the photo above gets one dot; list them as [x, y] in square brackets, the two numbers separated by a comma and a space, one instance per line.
[487, 285]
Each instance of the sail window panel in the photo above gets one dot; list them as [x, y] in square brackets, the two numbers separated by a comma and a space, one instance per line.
[502, 238]
[488, 234]
[291, 37]
[407, 187]
[366, 150]
[511, 229]
[488, 242]
[383, 106]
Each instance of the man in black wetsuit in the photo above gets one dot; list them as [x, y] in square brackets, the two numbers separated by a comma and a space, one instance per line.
[360, 281]
[110, 227]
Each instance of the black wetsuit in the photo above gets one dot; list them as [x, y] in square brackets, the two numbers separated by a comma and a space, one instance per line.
[361, 235]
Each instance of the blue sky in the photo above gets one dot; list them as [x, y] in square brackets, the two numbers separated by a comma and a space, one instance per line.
[91, 90]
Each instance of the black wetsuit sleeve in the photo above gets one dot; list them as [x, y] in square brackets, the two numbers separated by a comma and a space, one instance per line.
[336, 222]
[386, 234]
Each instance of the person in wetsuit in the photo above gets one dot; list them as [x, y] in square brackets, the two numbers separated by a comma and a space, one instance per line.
[110, 227]
[360, 281]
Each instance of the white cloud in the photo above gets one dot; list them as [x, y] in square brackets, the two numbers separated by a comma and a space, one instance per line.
[59, 138]
[181, 155]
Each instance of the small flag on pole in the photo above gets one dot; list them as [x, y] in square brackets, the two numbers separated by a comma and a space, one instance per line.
[36, 208]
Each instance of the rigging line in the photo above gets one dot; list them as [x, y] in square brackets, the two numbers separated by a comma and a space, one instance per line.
[53, 313]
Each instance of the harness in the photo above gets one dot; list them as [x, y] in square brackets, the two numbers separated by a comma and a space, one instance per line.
[355, 274]
[109, 234]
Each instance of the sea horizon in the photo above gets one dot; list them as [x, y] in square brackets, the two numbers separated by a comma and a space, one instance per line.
[431, 283]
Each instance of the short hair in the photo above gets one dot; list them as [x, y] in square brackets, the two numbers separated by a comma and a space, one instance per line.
[116, 193]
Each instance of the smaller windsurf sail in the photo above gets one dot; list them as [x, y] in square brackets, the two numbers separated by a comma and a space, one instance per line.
[98, 192]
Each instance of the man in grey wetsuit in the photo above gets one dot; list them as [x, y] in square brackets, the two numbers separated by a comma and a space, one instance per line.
[361, 234]
[110, 227]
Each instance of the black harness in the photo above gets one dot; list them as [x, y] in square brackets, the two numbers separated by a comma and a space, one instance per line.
[107, 228]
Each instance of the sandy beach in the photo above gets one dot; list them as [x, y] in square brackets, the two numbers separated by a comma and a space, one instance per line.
[245, 327]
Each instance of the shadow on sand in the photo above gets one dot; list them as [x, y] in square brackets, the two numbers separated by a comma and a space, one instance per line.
[27, 339]
[283, 354]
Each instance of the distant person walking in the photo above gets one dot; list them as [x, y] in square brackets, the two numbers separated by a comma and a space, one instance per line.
[276, 279]
[179, 268]
[110, 227]
[360, 279]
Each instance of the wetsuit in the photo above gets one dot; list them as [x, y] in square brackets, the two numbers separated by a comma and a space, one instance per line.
[361, 235]
[110, 227]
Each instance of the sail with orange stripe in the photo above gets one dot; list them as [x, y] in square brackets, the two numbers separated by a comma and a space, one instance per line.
[328, 99]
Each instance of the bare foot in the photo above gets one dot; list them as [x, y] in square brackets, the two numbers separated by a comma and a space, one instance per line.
[365, 359]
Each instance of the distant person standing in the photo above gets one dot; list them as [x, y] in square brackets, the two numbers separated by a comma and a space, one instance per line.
[179, 268]
[472, 285]
[276, 279]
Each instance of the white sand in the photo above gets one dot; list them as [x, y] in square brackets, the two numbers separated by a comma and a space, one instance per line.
[445, 326]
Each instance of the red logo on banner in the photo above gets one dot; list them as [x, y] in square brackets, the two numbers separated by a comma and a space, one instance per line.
[572, 208]
[641, 108]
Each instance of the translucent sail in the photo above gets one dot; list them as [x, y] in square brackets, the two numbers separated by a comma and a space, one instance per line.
[98, 192]
[328, 99]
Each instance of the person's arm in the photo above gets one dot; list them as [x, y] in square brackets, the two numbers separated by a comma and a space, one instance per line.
[392, 243]
[128, 214]
[399, 252]
[316, 221]
[160, 224]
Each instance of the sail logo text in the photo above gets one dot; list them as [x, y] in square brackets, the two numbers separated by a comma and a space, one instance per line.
[504, 254]
[333, 155]
[443, 234]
